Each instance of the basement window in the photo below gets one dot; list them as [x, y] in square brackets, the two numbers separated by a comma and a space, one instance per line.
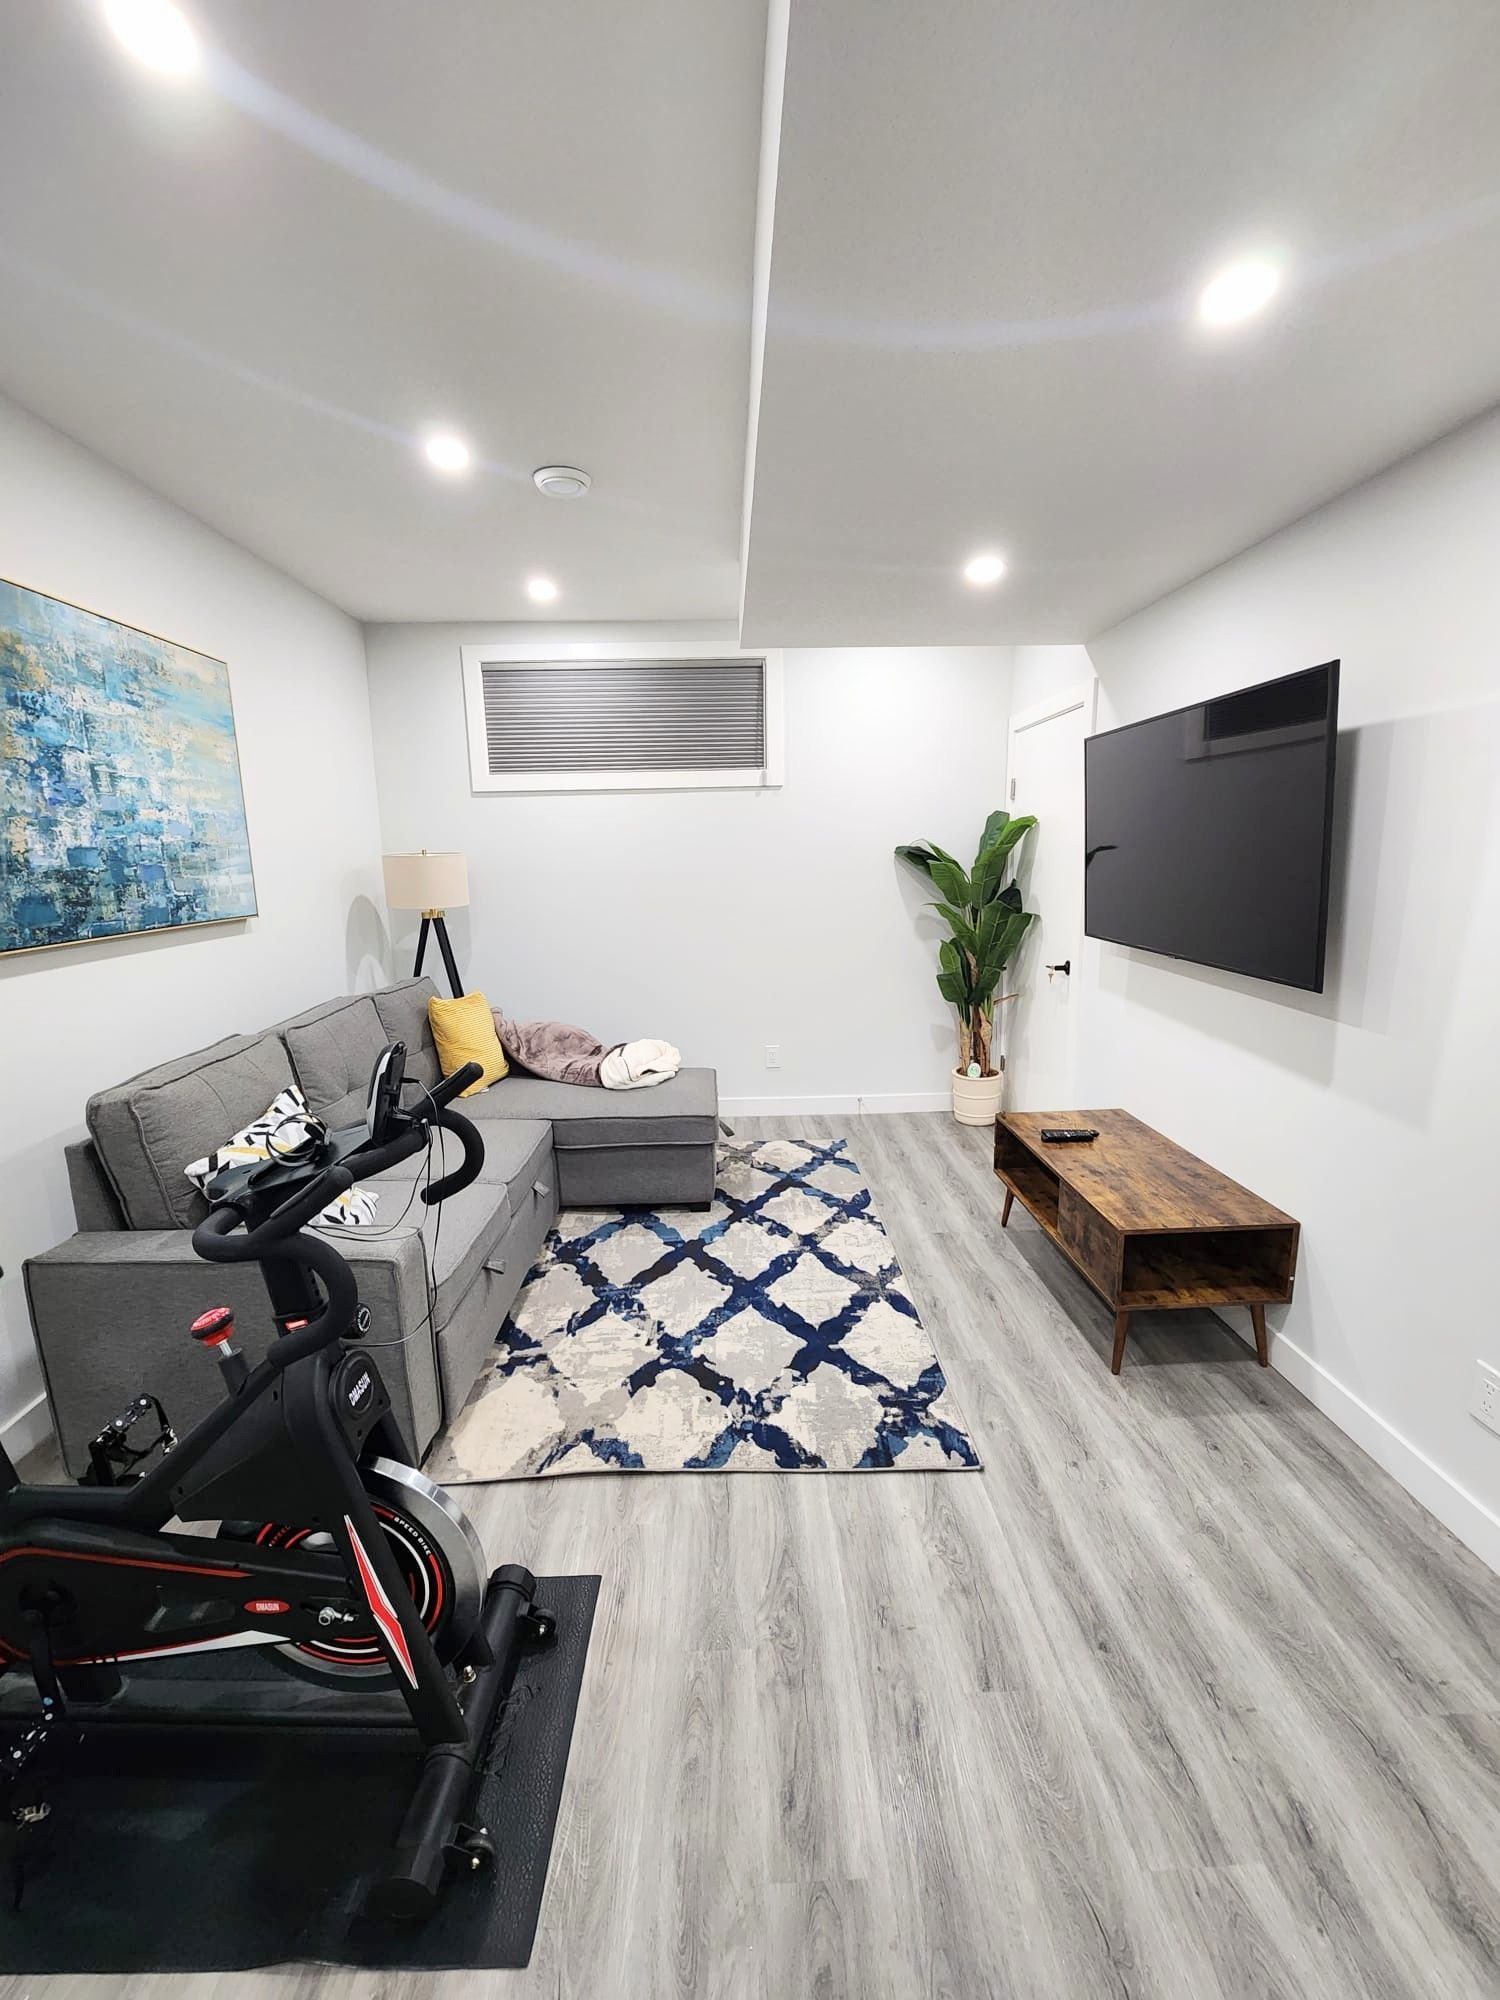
[621, 718]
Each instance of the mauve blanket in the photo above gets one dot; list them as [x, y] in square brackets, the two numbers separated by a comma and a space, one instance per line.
[552, 1049]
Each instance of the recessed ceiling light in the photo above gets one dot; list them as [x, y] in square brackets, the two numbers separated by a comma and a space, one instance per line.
[984, 569]
[1238, 292]
[156, 33]
[540, 589]
[561, 482]
[446, 451]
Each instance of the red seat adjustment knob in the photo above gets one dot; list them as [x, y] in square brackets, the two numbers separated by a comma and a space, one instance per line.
[213, 1326]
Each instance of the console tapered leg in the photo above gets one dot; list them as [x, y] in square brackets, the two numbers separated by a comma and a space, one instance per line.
[1010, 1195]
[1122, 1328]
[1258, 1321]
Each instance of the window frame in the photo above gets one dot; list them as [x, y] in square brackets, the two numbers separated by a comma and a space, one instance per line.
[766, 777]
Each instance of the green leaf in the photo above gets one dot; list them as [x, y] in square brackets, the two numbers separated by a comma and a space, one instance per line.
[992, 919]
[1012, 834]
[1001, 948]
[951, 988]
[951, 882]
[988, 870]
[919, 857]
[994, 826]
[920, 854]
[963, 931]
[995, 857]
[1009, 941]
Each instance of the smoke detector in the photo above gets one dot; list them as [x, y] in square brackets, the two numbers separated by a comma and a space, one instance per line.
[561, 482]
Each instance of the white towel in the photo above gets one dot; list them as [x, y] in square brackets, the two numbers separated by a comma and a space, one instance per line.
[634, 1065]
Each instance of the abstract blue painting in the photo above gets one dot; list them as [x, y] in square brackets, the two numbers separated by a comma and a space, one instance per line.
[120, 801]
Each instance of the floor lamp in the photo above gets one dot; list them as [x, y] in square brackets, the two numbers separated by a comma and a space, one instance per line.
[433, 884]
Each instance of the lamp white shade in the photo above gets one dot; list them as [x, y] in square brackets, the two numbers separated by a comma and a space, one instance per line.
[426, 881]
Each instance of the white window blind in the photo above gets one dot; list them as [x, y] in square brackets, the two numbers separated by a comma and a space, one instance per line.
[649, 720]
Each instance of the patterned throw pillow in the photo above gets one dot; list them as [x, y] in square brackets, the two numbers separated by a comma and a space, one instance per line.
[353, 1209]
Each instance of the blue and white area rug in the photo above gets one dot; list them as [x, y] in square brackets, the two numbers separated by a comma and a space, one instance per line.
[774, 1333]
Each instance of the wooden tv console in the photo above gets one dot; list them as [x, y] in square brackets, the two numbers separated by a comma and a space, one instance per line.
[1146, 1223]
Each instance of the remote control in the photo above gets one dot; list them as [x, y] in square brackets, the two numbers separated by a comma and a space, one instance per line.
[1069, 1135]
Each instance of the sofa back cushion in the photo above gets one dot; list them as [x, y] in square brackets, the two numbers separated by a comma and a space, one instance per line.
[96, 1206]
[333, 1049]
[147, 1130]
[403, 1015]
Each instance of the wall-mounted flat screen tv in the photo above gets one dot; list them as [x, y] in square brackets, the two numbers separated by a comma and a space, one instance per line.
[1207, 831]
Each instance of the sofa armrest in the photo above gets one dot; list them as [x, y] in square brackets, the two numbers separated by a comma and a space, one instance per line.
[111, 1311]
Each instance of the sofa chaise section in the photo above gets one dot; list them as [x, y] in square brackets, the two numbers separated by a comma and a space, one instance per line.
[619, 1148]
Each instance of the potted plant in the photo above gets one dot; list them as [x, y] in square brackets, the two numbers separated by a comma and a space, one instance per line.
[983, 912]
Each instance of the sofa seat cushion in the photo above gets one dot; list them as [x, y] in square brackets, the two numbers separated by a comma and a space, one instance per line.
[147, 1131]
[456, 1239]
[516, 1154]
[403, 1016]
[333, 1049]
[682, 1111]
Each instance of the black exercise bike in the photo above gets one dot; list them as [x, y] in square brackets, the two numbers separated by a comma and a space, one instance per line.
[333, 1553]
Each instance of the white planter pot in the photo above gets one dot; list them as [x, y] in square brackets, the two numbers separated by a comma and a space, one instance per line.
[976, 1099]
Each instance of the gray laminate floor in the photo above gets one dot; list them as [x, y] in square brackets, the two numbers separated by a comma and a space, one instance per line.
[1181, 1696]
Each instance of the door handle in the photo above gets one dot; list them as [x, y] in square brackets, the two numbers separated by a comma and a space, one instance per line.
[1066, 966]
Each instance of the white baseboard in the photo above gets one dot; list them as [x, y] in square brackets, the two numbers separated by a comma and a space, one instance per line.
[1458, 1509]
[848, 1106]
[30, 1426]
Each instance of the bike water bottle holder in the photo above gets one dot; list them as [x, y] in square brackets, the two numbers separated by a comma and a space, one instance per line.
[114, 1460]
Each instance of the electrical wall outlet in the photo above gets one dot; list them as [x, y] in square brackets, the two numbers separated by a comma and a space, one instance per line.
[773, 1055]
[1485, 1402]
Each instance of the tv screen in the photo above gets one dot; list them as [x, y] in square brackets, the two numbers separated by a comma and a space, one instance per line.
[1207, 830]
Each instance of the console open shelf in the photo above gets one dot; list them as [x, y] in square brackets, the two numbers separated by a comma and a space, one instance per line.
[1036, 1184]
[1146, 1223]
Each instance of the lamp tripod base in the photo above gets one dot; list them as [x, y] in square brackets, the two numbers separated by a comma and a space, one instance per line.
[433, 920]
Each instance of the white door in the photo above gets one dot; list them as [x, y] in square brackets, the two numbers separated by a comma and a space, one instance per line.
[1046, 778]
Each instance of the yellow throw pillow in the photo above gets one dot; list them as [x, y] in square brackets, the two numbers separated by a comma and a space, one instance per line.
[464, 1031]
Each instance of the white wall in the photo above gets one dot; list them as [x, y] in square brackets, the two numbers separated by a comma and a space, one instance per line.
[1042, 672]
[75, 1020]
[1369, 1111]
[721, 920]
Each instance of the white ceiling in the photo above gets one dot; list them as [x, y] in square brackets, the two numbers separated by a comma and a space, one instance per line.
[991, 224]
[533, 222]
[537, 224]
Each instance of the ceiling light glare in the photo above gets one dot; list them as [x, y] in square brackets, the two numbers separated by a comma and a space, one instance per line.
[1238, 292]
[984, 569]
[541, 589]
[156, 33]
[446, 452]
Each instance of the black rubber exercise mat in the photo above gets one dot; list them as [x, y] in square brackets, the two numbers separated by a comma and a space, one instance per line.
[221, 1852]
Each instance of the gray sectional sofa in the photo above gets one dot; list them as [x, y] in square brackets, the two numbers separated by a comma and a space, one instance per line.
[111, 1306]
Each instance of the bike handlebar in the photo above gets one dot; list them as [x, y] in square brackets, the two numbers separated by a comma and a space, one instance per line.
[280, 1236]
[213, 1241]
[467, 1170]
[442, 1094]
